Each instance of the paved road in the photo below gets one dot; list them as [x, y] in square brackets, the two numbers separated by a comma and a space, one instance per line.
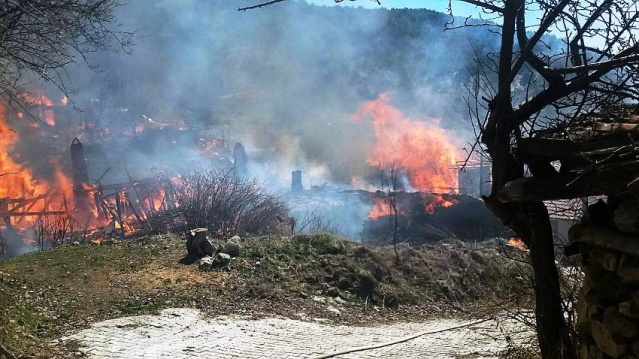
[184, 333]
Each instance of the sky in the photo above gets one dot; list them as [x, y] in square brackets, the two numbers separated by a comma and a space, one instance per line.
[459, 8]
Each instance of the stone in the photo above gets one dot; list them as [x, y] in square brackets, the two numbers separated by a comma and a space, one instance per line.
[618, 324]
[221, 260]
[607, 259]
[344, 283]
[630, 308]
[606, 341]
[333, 292]
[586, 309]
[626, 216]
[206, 263]
[75, 243]
[232, 249]
[235, 239]
[629, 269]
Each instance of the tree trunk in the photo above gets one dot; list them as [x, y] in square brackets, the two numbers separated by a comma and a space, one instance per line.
[530, 220]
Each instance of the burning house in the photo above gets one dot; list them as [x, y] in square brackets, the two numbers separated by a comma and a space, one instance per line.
[208, 100]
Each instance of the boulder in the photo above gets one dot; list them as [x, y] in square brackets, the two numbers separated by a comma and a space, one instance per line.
[206, 263]
[618, 324]
[221, 260]
[608, 343]
[232, 249]
[626, 216]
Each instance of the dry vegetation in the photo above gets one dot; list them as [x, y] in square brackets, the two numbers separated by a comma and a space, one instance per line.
[48, 294]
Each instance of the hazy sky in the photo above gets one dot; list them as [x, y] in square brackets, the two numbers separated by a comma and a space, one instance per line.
[459, 8]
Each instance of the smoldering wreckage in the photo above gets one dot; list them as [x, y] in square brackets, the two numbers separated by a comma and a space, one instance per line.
[77, 206]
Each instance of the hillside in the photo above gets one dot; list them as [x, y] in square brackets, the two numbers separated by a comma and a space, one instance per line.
[49, 294]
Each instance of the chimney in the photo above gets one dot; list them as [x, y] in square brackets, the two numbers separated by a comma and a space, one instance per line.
[296, 183]
[240, 161]
[78, 165]
[80, 174]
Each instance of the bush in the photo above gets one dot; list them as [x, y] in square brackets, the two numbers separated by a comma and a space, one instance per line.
[228, 205]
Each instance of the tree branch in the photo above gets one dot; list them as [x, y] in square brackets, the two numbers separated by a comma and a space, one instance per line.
[484, 5]
[259, 5]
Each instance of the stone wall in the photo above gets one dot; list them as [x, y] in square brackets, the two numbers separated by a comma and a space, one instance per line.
[608, 306]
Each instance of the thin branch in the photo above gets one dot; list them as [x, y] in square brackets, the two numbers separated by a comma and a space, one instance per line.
[259, 5]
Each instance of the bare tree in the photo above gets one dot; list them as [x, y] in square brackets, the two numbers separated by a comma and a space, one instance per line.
[389, 182]
[41, 37]
[592, 65]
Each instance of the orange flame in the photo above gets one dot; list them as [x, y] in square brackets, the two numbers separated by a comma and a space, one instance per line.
[18, 183]
[432, 201]
[380, 209]
[46, 111]
[517, 243]
[421, 149]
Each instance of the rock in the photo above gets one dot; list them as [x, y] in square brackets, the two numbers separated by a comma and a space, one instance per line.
[590, 351]
[626, 216]
[607, 259]
[344, 283]
[606, 341]
[75, 243]
[586, 308]
[333, 292]
[617, 324]
[629, 269]
[477, 257]
[630, 308]
[235, 239]
[206, 263]
[221, 260]
[232, 249]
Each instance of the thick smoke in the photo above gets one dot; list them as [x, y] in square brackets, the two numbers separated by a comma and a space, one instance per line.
[283, 80]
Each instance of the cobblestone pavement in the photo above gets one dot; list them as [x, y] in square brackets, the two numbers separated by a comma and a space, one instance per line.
[185, 333]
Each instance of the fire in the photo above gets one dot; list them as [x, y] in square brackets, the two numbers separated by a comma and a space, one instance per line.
[45, 110]
[432, 201]
[517, 243]
[17, 181]
[420, 149]
[380, 209]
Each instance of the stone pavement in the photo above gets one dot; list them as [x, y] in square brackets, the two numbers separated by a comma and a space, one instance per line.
[185, 333]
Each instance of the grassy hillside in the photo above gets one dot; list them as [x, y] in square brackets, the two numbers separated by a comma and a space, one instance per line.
[48, 294]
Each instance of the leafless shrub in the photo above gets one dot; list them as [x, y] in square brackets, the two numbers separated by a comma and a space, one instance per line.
[314, 222]
[52, 231]
[226, 204]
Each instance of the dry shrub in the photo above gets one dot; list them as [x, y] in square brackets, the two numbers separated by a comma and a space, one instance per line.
[227, 204]
[53, 230]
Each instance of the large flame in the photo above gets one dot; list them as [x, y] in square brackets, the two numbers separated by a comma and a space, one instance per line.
[421, 150]
[17, 181]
